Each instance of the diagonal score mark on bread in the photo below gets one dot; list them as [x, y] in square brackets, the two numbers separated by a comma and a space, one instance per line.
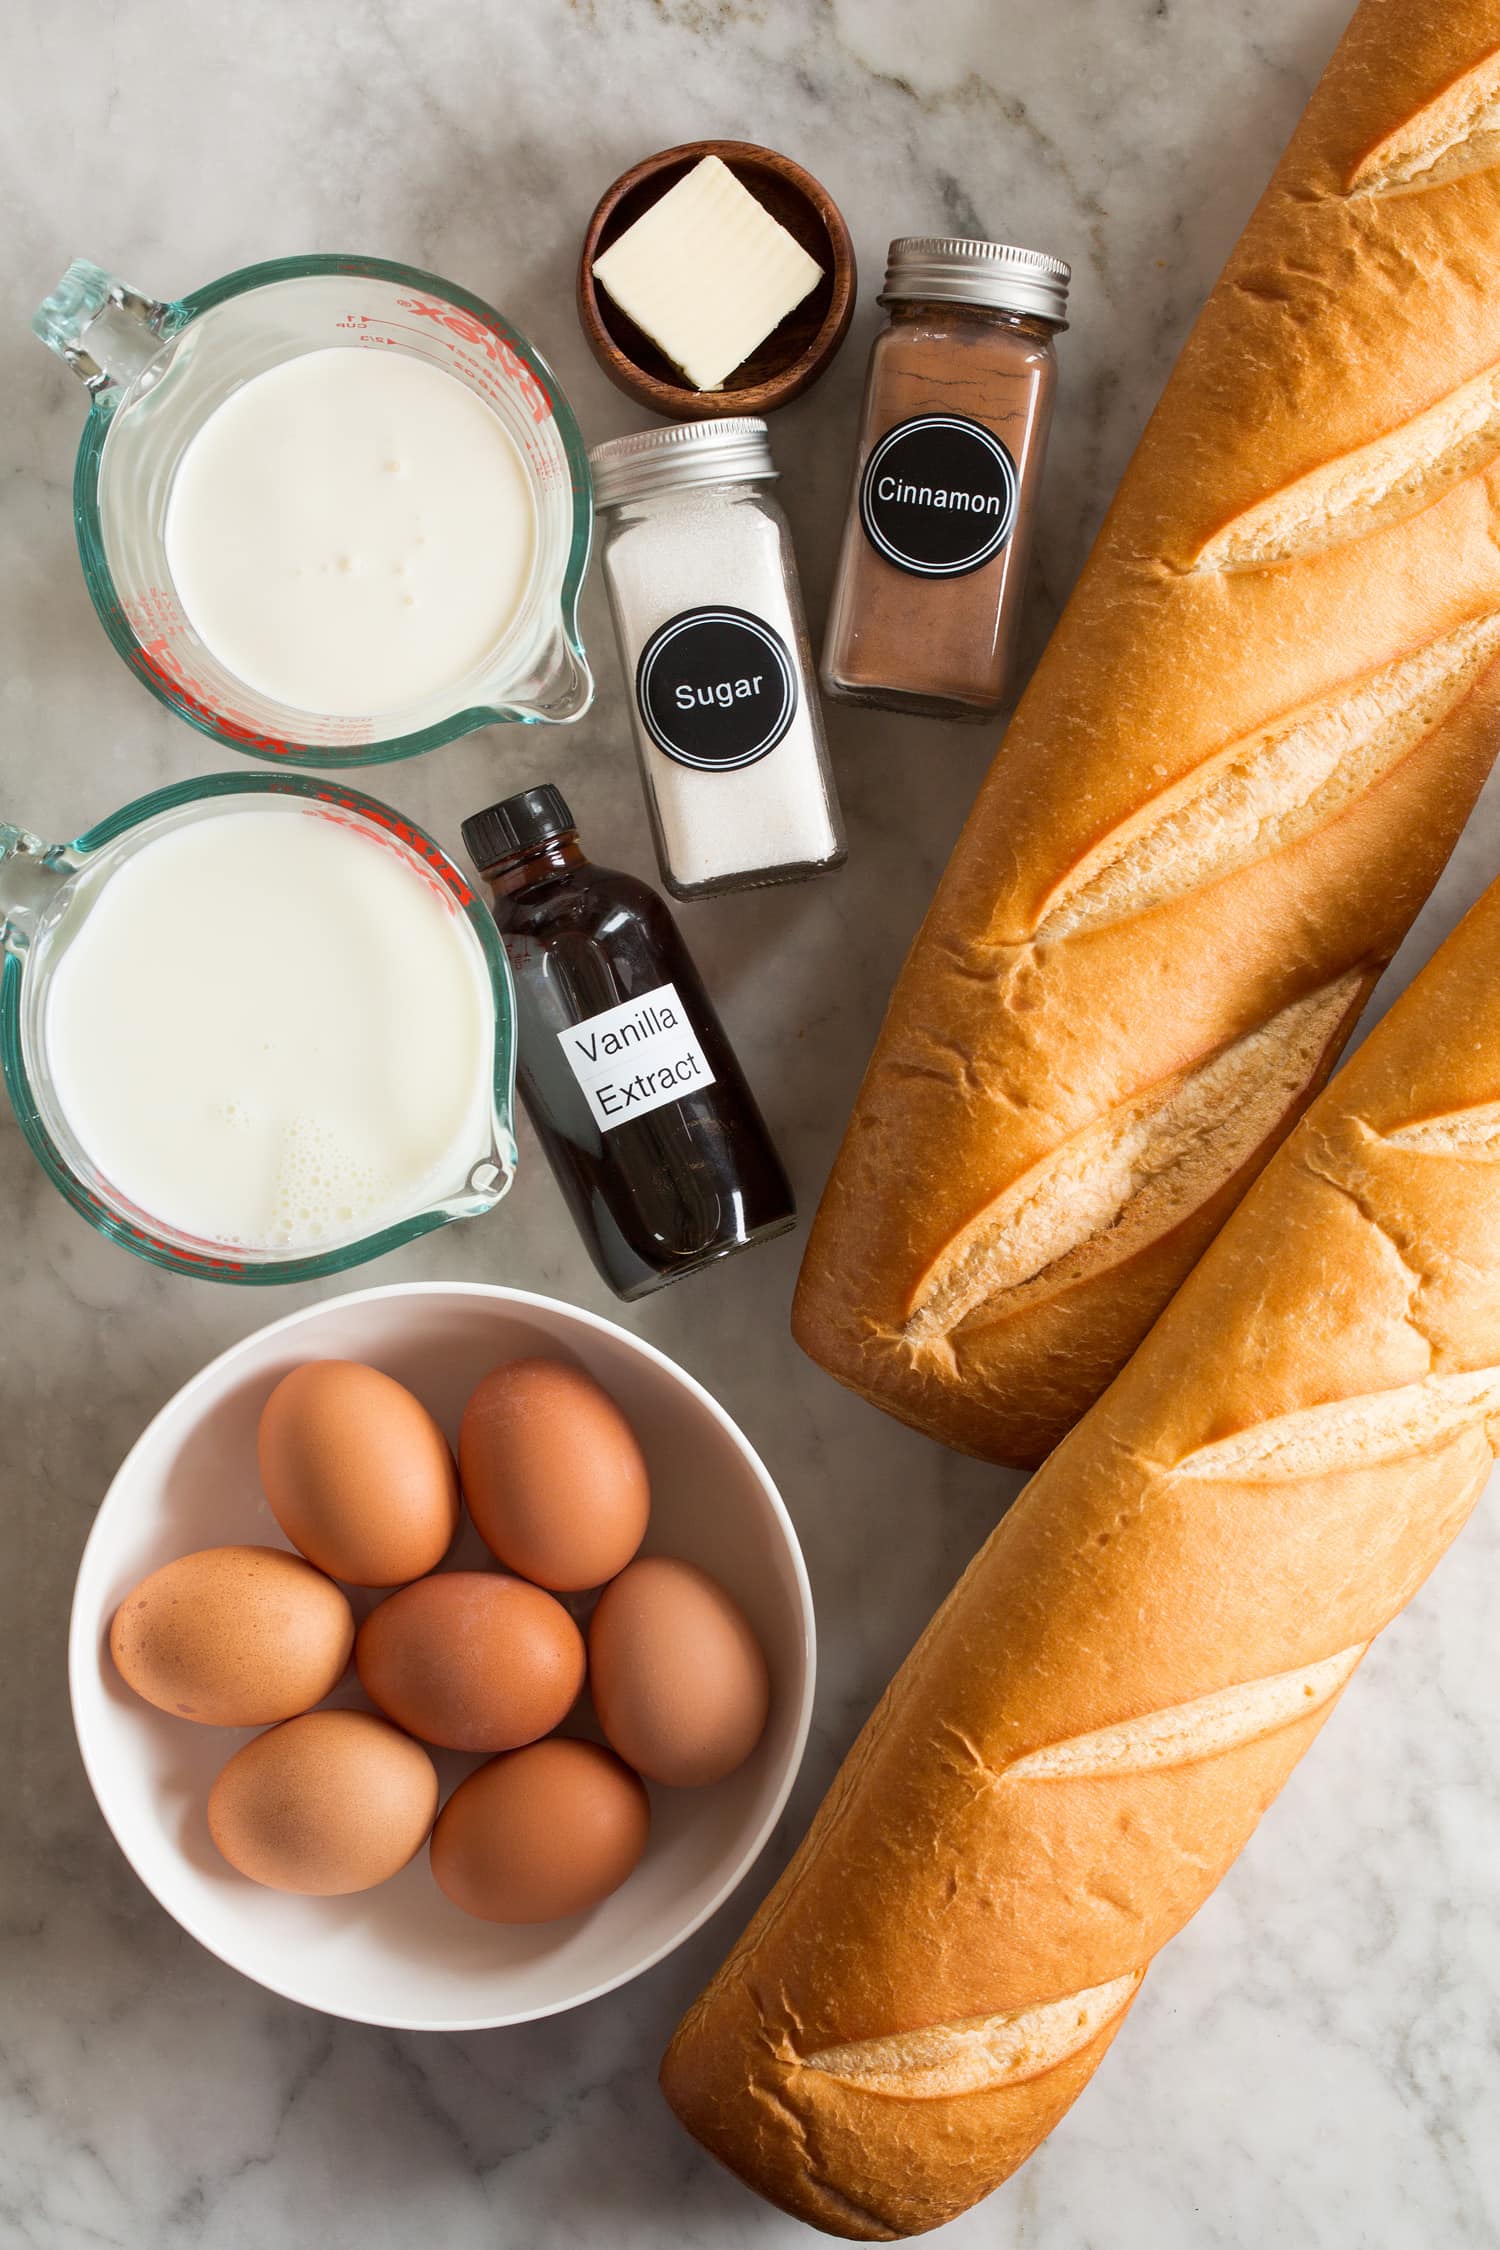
[1269, 788]
[980, 2052]
[1471, 1133]
[1353, 1433]
[1456, 132]
[1129, 1176]
[1189, 1731]
[1386, 482]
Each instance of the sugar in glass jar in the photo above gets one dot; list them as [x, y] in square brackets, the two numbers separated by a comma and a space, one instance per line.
[702, 584]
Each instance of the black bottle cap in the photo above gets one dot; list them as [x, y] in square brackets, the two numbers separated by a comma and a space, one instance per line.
[517, 824]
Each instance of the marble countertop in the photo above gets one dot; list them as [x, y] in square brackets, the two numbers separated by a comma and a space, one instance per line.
[1314, 2062]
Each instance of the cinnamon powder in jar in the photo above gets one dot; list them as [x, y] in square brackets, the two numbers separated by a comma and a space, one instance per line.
[958, 400]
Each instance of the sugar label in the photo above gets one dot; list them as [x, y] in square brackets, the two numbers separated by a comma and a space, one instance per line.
[636, 1057]
[716, 688]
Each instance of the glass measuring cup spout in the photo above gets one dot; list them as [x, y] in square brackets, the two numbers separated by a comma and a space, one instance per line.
[560, 692]
[46, 893]
[156, 370]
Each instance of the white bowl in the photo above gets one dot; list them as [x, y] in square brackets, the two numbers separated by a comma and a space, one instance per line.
[401, 1955]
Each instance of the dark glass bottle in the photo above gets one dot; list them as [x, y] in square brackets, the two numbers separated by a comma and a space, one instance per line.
[624, 1067]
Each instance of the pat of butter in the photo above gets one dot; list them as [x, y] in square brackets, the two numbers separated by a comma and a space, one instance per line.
[707, 273]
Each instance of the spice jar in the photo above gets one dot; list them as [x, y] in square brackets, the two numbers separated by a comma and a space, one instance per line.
[932, 572]
[703, 590]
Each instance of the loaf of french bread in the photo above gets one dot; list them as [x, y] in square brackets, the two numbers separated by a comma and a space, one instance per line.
[1093, 1724]
[1242, 763]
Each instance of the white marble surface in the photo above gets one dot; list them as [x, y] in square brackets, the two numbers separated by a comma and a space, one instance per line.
[1314, 2062]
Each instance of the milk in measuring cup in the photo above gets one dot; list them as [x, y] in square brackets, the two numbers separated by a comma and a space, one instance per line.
[270, 1031]
[351, 532]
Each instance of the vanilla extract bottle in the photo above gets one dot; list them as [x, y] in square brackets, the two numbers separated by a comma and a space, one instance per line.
[624, 1068]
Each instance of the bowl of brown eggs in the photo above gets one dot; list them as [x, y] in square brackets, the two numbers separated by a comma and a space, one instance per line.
[442, 1656]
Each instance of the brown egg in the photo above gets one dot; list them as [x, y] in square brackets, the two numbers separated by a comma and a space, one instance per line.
[540, 1833]
[553, 1475]
[678, 1678]
[471, 1660]
[233, 1636]
[358, 1474]
[332, 1802]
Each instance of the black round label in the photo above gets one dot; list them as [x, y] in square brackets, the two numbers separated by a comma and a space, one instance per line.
[716, 687]
[938, 495]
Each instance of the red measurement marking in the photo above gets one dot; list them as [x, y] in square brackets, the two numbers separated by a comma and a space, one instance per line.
[159, 660]
[495, 347]
[354, 812]
[141, 1230]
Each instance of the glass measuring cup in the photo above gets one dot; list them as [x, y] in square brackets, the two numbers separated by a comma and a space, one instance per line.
[156, 371]
[46, 890]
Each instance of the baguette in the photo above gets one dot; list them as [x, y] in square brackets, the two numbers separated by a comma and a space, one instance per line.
[1242, 764]
[1092, 1725]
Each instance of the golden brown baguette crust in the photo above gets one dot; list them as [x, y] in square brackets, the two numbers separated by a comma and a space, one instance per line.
[1091, 1727]
[1242, 763]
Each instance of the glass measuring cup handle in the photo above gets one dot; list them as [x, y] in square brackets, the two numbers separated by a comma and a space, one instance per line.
[105, 330]
[31, 872]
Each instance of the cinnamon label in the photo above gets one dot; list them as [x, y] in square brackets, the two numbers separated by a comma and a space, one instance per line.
[938, 495]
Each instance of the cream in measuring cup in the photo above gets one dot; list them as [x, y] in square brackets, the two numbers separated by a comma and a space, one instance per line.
[328, 508]
[350, 531]
[269, 1031]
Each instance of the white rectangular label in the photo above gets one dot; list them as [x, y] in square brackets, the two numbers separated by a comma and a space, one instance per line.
[636, 1057]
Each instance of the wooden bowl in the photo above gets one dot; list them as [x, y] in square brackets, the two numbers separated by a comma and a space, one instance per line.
[792, 356]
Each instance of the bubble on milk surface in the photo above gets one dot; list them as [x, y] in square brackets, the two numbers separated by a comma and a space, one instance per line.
[321, 1188]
